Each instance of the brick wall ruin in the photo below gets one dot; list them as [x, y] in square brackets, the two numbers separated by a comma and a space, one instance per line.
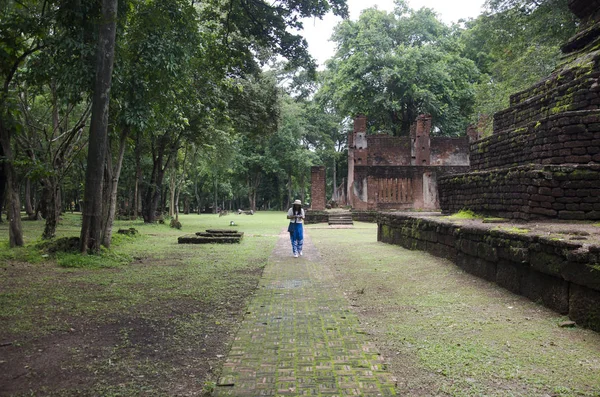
[387, 172]
[318, 188]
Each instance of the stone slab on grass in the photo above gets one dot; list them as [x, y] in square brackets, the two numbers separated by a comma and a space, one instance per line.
[212, 236]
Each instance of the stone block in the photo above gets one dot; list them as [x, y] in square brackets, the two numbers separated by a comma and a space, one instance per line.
[586, 274]
[552, 292]
[584, 306]
[477, 266]
[487, 252]
[571, 215]
[514, 254]
[509, 275]
[545, 262]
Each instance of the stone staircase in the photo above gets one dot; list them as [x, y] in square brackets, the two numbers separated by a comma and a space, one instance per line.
[340, 218]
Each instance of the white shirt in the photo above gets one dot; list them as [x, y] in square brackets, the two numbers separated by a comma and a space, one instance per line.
[296, 220]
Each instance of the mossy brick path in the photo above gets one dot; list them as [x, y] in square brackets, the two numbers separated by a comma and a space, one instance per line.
[299, 337]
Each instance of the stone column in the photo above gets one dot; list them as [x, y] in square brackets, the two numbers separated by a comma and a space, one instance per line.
[422, 145]
[360, 125]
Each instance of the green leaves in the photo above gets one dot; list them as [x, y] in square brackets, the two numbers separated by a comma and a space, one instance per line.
[515, 44]
[394, 66]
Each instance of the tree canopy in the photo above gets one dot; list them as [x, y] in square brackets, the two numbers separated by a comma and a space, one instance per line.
[197, 121]
[394, 66]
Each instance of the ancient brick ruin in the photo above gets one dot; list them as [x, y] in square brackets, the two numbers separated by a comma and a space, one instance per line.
[542, 162]
[543, 159]
[318, 188]
[212, 236]
[387, 172]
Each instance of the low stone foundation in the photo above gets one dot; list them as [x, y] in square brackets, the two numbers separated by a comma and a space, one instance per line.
[562, 275]
[569, 192]
[212, 236]
[312, 216]
[364, 216]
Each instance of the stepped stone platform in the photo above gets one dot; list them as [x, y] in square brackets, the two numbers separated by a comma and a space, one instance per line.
[554, 263]
[212, 236]
[313, 216]
[543, 159]
[340, 218]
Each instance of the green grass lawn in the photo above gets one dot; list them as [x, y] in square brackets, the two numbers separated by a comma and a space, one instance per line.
[129, 296]
[446, 332]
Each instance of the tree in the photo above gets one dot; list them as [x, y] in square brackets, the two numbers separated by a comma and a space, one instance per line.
[52, 138]
[514, 43]
[256, 106]
[23, 29]
[91, 227]
[394, 66]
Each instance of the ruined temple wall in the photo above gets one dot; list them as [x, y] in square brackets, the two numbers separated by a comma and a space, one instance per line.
[569, 137]
[318, 188]
[449, 151]
[393, 187]
[388, 150]
[387, 172]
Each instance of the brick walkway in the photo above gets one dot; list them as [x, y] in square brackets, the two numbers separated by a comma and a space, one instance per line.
[299, 338]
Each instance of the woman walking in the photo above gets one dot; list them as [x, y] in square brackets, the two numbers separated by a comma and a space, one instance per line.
[296, 217]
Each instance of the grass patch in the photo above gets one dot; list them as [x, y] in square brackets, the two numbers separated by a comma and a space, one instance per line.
[147, 315]
[464, 215]
[106, 259]
[513, 229]
[446, 332]
[30, 253]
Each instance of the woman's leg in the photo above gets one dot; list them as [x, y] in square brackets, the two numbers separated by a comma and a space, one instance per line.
[299, 238]
[293, 240]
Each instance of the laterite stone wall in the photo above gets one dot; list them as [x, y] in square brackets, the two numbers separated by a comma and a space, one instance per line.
[573, 88]
[570, 137]
[527, 192]
[564, 276]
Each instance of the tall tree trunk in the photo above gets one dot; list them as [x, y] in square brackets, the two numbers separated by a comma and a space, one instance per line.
[172, 183]
[215, 202]
[137, 195]
[91, 227]
[151, 197]
[28, 206]
[2, 186]
[51, 206]
[288, 204]
[13, 204]
[114, 187]
[250, 201]
[303, 188]
[177, 204]
[154, 191]
[2, 181]
[197, 194]
[252, 190]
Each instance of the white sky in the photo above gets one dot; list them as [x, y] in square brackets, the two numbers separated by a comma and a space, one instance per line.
[318, 32]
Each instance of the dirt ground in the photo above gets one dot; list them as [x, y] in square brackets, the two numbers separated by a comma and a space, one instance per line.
[170, 347]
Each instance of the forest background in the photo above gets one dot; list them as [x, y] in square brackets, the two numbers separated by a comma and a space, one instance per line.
[216, 104]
